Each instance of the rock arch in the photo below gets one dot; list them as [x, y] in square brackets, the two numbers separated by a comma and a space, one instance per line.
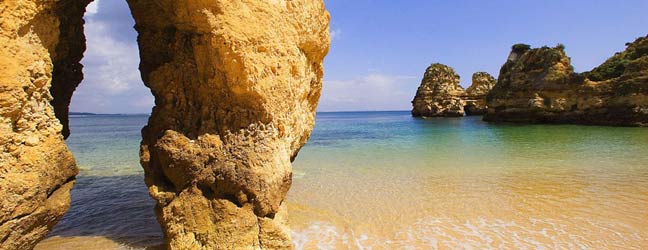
[236, 84]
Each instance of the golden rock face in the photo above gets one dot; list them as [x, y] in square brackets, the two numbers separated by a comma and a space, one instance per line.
[540, 86]
[36, 169]
[236, 85]
[439, 93]
[475, 98]
[482, 83]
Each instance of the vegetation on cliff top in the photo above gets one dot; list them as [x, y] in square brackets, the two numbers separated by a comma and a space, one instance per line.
[520, 48]
[544, 68]
[616, 65]
[550, 68]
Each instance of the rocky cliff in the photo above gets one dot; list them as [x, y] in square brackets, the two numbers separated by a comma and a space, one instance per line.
[236, 84]
[540, 86]
[475, 97]
[39, 53]
[439, 93]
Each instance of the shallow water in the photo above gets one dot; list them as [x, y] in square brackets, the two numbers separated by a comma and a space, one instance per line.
[383, 180]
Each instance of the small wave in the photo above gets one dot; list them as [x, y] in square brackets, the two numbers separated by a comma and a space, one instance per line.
[481, 233]
[296, 174]
[325, 235]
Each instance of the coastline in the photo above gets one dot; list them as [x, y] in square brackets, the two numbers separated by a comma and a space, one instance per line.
[393, 181]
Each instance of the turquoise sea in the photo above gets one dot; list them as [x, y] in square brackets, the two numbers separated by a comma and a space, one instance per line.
[385, 180]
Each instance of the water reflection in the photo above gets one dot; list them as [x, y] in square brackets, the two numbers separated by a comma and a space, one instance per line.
[115, 207]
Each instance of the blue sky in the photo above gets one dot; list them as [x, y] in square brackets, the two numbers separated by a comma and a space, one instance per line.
[380, 49]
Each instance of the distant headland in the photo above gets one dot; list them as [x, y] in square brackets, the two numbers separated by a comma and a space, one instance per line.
[539, 85]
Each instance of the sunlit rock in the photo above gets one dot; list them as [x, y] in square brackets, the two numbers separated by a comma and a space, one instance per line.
[439, 93]
[540, 86]
[41, 44]
[475, 98]
[236, 85]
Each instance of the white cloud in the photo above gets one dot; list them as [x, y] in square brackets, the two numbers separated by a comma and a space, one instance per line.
[336, 34]
[112, 66]
[92, 8]
[370, 92]
[112, 82]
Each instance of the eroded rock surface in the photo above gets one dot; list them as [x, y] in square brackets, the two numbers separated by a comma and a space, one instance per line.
[36, 169]
[540, 86]
[482, 83]
[439, 93]
[475, 98]
[236, 84]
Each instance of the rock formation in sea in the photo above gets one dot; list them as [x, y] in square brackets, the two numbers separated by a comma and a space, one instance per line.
[475, 97]
[40, 42]
[540, 86]
[439, 93]
[236, 84]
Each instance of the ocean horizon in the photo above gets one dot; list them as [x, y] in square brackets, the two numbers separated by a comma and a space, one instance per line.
[323, 124]
[148, 114]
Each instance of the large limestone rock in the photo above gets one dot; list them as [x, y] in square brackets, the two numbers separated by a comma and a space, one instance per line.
[41, 43]
[236, 84]
[540, 86]
[439, 93]
[475, 98]
[482, 83]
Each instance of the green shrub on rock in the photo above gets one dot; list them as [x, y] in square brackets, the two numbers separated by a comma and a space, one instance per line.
[520, 48]
[616, 65]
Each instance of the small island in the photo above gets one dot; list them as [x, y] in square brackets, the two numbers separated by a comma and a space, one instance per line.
[440, 94]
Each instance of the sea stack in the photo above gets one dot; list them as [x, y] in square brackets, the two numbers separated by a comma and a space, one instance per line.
[475, 98]
[540, 86]
[439, 94]
[236, 85]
